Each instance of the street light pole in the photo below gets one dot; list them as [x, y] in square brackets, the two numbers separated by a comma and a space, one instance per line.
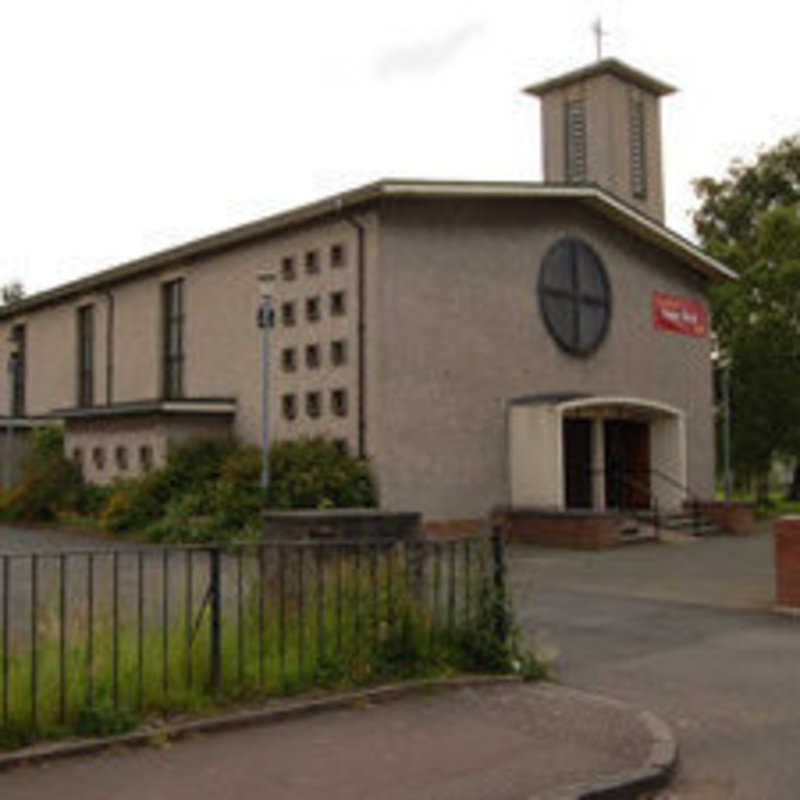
[726, 428]
[10, 369]
[265, 322]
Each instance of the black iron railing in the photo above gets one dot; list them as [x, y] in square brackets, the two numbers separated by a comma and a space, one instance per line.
[156, 628]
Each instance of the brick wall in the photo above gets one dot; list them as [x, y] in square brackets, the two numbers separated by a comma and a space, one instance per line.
[787, 560]
[584, 530]
[736, 518]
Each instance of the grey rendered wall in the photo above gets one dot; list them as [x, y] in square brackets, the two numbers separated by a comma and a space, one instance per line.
[608, 144]
[460, 334]
[222, 342]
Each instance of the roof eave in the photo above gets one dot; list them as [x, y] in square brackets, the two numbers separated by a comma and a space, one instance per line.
[593, 195]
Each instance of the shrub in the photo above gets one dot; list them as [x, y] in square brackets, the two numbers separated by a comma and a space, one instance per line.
[238, 496]
[134, 504]
[211, 490]
[194, 462]
[314, 473]
[49, 482]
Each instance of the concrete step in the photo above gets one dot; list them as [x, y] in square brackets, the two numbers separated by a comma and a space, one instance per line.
[700, 526]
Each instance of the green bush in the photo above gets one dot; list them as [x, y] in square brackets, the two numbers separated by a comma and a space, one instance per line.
[314, 473]
[238, 495]
[207, 490]
[195, 462]
[134, 504]
[49, 482]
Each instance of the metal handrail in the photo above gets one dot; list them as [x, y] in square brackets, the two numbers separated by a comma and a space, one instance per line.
[631, 484]
[622, 475]
[690, 496]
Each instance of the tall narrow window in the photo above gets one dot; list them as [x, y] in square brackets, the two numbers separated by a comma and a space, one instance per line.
[173, 322]
[575, 141]
[86, 355]
[17, 369]
[638, 154]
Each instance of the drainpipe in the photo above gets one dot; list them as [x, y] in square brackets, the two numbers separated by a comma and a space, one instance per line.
[360, 231]
[109, 348]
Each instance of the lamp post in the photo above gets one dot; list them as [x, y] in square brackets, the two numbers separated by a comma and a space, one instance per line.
[723, 364]
[11, 369]
[266, 318]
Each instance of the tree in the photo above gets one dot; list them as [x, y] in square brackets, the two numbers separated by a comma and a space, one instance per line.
[751, 221]
[11, 292]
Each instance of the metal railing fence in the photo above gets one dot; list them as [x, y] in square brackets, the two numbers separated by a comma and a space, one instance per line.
[159, 628]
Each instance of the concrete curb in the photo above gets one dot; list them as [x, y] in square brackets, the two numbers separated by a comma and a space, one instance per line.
[654, 773]
[37, 754]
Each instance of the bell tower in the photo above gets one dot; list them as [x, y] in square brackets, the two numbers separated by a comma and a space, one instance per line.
[601, 124]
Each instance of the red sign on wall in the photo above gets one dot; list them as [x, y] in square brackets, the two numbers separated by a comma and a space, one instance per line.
[679, 315]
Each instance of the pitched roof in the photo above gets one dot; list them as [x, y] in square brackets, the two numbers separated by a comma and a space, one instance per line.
[593, 196]
[607, 65]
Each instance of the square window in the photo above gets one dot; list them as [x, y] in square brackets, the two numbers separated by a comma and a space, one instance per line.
[77, 457]
[312, 356]
[312, 309]
[289, 405]
[337, 304]
[289, 359]
[339, 402]
[339, 352]
[121, 457]
[98, 457]
[287, 314]
[312, 262]
[337, 255]
[313, 404]
[288, 271]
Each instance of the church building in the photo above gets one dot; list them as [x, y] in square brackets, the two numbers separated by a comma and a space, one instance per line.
[517, 345]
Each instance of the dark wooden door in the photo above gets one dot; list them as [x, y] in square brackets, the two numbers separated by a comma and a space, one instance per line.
[578, 463]
[627, 463]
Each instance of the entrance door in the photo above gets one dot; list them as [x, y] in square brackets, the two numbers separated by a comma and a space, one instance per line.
[627, 463]
[577, 463]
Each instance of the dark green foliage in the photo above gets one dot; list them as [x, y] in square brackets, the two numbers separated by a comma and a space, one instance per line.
[750, 219]
[102, 719]
[195, 462]
[134, 504]
[480, 648]
[49, 482]
[212, 491]
[11, 292]
[208, 490]
[314, 473]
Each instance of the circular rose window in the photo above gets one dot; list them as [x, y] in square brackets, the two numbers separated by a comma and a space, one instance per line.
[574, 296]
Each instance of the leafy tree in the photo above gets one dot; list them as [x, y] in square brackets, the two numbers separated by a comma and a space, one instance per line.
[11, 292]
[751, 221]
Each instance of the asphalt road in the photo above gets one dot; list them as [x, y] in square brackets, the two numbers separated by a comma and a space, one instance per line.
[687, 631]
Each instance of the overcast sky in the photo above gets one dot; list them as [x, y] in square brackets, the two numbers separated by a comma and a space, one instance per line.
[128, 127]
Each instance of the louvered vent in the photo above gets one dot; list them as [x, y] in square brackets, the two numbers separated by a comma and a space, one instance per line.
[575, 138]
[638, 169]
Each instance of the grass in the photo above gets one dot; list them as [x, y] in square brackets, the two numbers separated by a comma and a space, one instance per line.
[777, 505]
[335, 624]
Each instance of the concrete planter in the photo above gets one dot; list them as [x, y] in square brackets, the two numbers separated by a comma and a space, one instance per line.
[341, 523]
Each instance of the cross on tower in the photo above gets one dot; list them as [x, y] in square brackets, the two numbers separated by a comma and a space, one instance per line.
[599, 32]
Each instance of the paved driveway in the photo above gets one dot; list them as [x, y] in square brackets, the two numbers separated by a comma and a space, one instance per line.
[685, 629]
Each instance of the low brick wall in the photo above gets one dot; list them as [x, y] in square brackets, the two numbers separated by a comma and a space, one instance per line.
[584, 530]
[734, 517]
[453, 528]
[341, 523]
[786, 531]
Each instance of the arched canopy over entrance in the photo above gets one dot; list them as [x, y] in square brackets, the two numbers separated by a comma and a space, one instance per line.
[579, 451]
